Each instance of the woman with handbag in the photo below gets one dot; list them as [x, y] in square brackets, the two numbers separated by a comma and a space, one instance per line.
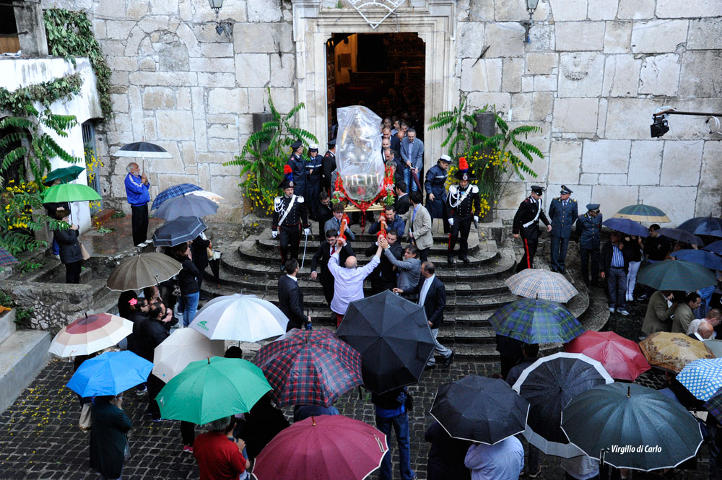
[71, 253]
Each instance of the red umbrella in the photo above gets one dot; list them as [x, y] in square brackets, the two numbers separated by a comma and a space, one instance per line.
[309, 367]
[328, 447]
[619, 356]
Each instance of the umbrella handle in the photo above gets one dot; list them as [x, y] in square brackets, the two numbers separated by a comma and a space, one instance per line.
[378, 442]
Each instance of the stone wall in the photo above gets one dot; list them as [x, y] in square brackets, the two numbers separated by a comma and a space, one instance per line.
[590, 78]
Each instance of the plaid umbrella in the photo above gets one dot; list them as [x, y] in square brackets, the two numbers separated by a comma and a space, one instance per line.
[542, 284]
[681, 236]
[711, 226]
[536, 321]
[174, 191]
[672, 351]
[186, 206]
[714, 405]
[6, 258]
[309, 367]
[643, 213]
[702, 377]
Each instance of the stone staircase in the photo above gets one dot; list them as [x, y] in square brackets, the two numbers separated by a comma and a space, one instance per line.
[473, 291]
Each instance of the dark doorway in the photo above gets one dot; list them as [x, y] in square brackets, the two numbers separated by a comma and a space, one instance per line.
[383, 71]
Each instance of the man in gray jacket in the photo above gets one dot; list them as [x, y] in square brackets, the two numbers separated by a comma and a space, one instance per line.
[409, 266]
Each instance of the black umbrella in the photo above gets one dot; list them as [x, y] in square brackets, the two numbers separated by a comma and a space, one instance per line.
[480, 409]
[142, 150]
[175, 232]
[711, 226]
[393, 337]
[681, 235]
[550, 384]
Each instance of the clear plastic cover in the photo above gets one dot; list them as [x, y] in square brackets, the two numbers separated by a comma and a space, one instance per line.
[358, 156]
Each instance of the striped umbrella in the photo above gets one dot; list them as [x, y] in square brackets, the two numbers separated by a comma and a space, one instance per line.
[6, 258]
[174, 191]
[714, 405]
[541, 284]
[536, 321]
[672, 351]
[643, 213]
[90, 334]
[702, 377]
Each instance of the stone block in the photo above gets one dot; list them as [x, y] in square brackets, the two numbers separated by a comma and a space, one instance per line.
[216, 79]
[658, 36]
[284, 99]
[613, 198]
[264, 10]
[542, 105]
[541, 38]
[605, 156]
[521, 106]
[147, 64]
[201, 138]
[99, 29]
[514, 194]
[127, 64]
[158, 98]
[257, 100]
[545, 83]
[218, 168]
[163, 166]
[690, 9]
[226, 186]
[216, 50]
[471, 39]
[565, 161]
[477, 11]
[500, 100]
[505, 39]
[589, 179]
[211, 64]
[540, 63]
[527, 84]
[222, 100]
[645, 162]
[621, 76]
[511, 78]
[636, 10]
[222, 131]
[660, 75]
[283, 69]
[483, 75]
[612, 179]
[617, 37]
[700, 76]
[149, 127]
[118, 29]
[677, 202]
[262, 38]
[227, 118]
[136, 9]
[704, 33]
[603, 10]
[710, 185]
[581, 74]
[120, 103]
[575, 115]
[602, 117]
[511, 10]
[681, 163]
[629, 118]
[164, 79]
[569, 10]
[252, 70]
[223, 145]
[110, 9]
[575, 36]
[184, 98]
[175, 125]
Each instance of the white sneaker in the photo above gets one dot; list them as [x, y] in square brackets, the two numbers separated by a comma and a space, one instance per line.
[611, 309]
[622, 312]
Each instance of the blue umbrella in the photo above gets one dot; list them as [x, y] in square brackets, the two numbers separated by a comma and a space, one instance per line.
[186, 206]
[700, 257]
[175, 232]
[110, 374]
[711, 226]
[702, 377]
[681, 236]
[625, 225]
[174, 191]
[714, 247]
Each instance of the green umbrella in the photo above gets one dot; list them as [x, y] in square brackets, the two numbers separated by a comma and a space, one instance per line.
[643, 213]
[70, 192]
[65, 174]
[210, 389]
[676, 275]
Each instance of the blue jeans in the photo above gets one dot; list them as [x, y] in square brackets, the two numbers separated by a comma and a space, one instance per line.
[190, 305]
[400, 423]
[409, 181]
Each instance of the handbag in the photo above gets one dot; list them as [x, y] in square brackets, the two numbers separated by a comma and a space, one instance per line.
[83, 252]
[85, 421]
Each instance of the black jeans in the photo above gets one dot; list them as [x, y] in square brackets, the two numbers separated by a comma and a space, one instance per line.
[188, 432]
[586, 254]
[139, 223]
[72, 272]
[289, 239]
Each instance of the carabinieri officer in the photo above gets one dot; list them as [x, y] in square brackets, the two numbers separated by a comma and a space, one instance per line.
[526, 225]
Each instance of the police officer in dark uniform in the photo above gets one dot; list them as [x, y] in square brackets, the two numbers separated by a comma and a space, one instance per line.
[526, 225]
[289, 215]
[464, 206]
[589, 228]
[314, 172]
[298, 167]
[563, 212]
[329, 165]
[435, 186]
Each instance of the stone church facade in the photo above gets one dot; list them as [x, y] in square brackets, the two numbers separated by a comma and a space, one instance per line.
[590, 77]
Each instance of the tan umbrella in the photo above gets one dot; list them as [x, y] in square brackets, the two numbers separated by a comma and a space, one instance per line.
[182, 347]
[142, 271]
[673, 351]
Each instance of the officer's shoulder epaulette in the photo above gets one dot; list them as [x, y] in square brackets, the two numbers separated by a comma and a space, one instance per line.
[299, 199]
[573, 200]
[453, 189]
[277, 200]
[558, 199]
[474, 189]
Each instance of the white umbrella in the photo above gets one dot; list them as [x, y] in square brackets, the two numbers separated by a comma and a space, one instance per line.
[90, 334]
[182, 347]
[214, 197]
[243, 318]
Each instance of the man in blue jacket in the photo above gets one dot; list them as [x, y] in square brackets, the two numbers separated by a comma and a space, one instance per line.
[412, 153]
[589, 227]
[136, 189]
[563, 213]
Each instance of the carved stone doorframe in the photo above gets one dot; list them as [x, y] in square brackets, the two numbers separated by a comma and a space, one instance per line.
[435, 25]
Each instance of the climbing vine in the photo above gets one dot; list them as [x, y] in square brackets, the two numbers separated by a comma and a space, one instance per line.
[46, 93]
[70, 35]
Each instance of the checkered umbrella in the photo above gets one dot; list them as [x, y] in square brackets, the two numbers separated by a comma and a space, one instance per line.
[536, 321]
[541, 284]
[714, 405]
[309, 367]
[702, 377]
[174, 191]
[6, 258]
[672, 351]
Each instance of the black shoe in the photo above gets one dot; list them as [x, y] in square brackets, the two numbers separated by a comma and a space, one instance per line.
[465, 259]
[448, 361]
[283, 268]
[450, 260]
[430, 367]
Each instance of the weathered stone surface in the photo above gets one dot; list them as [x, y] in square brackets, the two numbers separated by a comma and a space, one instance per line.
[617, 37]
[505, 40]
[511, 78]
[700, 76]
[676, 202]
[542, 105]
[110, 9]
[212, 65]
[521, 106]
[545, 83]
[575, 36]
[171, 79]
[164, 7]
[704, 33]
[512, 10]
[222, 131]
[589, 179]
[216, 50]
[569, 10]
[710, 185]
[283, 68]
[128, 64]
[629, 118]
[603, 10]
[216, 79]
[471, 39]
[252, 70]
[565, 161]
[483, 75]
[183, 96]
[284, 99]
[540, 63]
[613, 198]
[690, 9]
[478, 11]
[118, 29]
[581, 74]
[156, 98]
[502, 101]
[605, 156]
[541, 38]
[612, 179]
[681, 163]
[264, 10]
[175, 125]
[120, 103]
[658, 36]
[645, 162]
[223, 100]
[660, 75]
[621, 76]
[575, 115]
[262, 38]
[639, 9]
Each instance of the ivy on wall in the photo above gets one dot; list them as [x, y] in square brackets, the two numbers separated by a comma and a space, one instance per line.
[70, 35]
[19, 101]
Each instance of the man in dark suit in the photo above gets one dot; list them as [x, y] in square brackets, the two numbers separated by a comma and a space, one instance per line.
[384, 276]
[432, 295]
[324, 215]
[403, 203]
[320, 262]
[290, 297]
